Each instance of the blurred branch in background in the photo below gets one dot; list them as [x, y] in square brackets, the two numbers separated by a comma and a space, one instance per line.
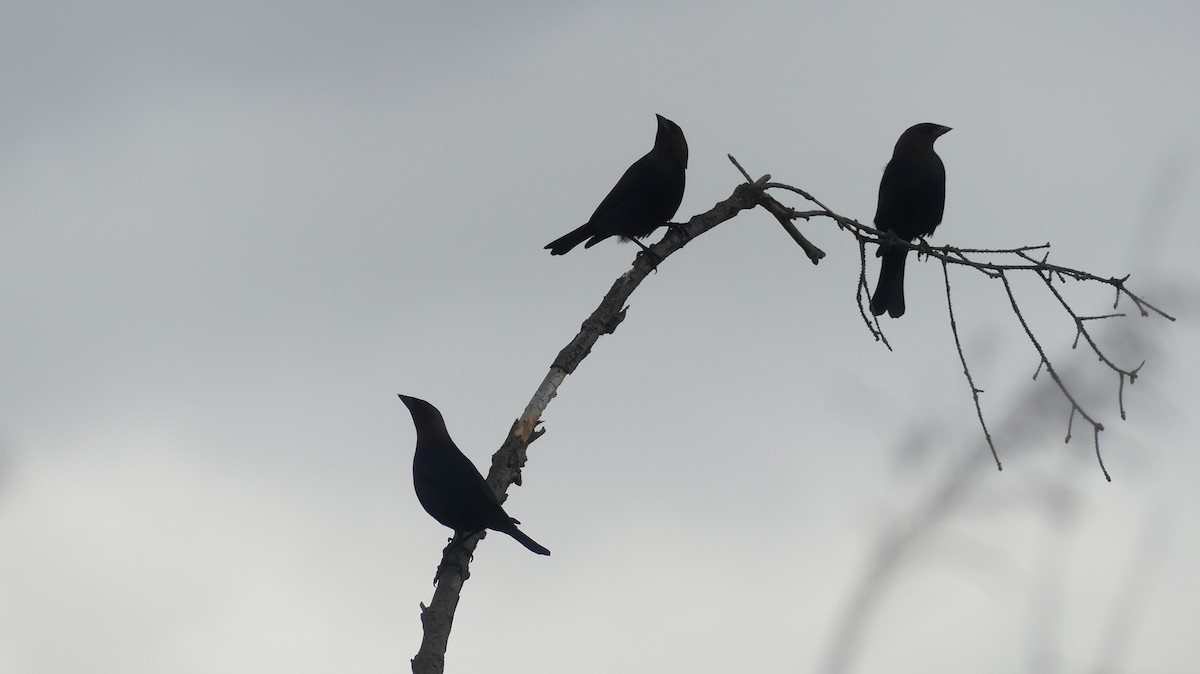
[960, 493]
[912, 531]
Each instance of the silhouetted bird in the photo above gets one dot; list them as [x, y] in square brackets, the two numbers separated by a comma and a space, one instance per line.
[644, 199]
[448, 485]
[912, 195]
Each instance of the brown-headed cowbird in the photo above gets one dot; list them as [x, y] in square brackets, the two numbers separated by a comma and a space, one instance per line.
[912, 195]
[644, 199]
[448, 485]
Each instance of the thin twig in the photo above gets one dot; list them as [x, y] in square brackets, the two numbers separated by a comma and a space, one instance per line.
[967, 370]
[1096, 425]
[993, 263]
[862, 296]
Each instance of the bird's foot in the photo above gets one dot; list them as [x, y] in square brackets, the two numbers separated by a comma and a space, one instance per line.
[655, 258]
[456, 556]
[460, 540]
[450, 565]
[886, 238]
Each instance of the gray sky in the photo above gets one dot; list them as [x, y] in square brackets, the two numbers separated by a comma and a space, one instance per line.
[233, 232]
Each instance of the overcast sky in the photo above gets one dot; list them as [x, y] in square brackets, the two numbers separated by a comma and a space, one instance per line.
[231, 233]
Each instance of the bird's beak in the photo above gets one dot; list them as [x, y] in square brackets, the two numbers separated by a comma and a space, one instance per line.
[661, 120]
[943, 130]
[405, 399]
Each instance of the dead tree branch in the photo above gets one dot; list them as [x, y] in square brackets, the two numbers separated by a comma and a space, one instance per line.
[437, 618]
[995, 264]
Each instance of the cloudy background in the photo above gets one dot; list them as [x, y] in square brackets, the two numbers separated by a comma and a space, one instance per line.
[231, 232]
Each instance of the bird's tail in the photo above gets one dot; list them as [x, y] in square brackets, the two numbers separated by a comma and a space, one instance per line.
[528, 542]
[568, 241]
[889, 292]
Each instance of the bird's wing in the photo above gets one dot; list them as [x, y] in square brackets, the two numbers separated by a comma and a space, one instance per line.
[912, 195]
[479, 488]
[628, 190]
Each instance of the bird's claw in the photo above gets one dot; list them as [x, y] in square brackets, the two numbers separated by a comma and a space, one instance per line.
[449, 564]
[655, 258]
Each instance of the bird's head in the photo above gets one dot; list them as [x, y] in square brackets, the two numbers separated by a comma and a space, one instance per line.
[426, 418]
[670, 137]
[921, 135]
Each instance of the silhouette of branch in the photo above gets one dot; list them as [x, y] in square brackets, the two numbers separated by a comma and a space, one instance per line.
[454, 569]
[782, 214]
[437, 618]
[862, 296]
[997, 264]
[1045, 362]
[975, 390]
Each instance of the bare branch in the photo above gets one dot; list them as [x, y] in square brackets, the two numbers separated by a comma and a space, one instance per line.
[1075, 407]
[1081, 330]
[785, 216]
[507, 462]
[862, 296]
[993, 263]
[954, 255]
[975, 391]
[437, 618]
[739, 168]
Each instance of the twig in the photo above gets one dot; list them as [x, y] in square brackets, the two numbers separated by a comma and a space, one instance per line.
[862, 296]
[1075, 407]
[993, 263]
[967, 370]
[782, 214]
[507, 462]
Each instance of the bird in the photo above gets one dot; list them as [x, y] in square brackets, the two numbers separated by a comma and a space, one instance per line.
[449, 486]
[644, 199]
[912, 196]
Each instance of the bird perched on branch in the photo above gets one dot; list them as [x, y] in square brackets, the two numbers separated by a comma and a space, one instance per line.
[644, 199]
[448, 485]
[912, 195]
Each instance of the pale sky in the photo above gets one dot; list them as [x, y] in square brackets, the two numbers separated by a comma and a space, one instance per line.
[232, 232]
